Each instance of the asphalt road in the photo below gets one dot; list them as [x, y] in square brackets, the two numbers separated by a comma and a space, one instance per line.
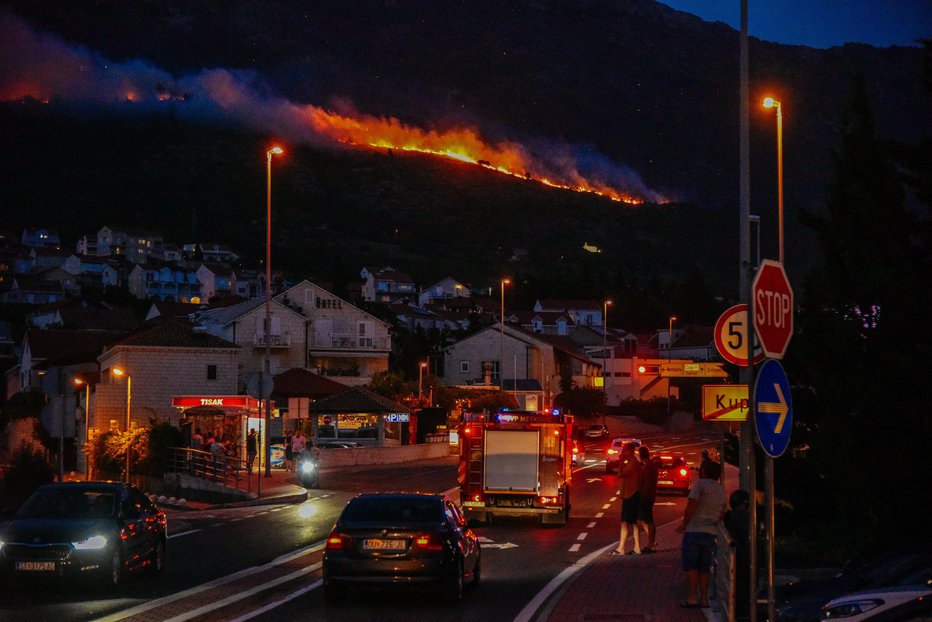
[263, 563]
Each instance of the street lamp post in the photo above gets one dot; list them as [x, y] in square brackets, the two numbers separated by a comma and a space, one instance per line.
[129, 401]
[87, 438]
[267, 376]
[420, 382]
[669, 355]
[770, 102]
[605, 306]
[501, 338]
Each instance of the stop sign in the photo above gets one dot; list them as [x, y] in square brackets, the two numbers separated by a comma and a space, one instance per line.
[773, 308]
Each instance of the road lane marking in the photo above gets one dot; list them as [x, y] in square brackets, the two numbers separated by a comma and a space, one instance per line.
[574, 548]
[590, 525]
[197, 589]
[600, 515]
[183, 533]
[279, 602]
[582, 536]
[613, 499]
[606, 506]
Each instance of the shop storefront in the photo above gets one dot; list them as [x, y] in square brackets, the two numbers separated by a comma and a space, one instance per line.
[225, 418]
[362, 416]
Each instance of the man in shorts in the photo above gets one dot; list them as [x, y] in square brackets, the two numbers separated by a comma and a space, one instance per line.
[704, 510]
[629, 489]
[649, 468]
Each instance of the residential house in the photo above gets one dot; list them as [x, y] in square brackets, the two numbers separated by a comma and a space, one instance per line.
[177, 310]
[506, 356]
[216, 281]
[164, 281]
[78, 314]
[295, 389]
[386, 284]
[444, 289]
[542, 322]
[136, 245]
[40, 238]
[247, 283]
[32, 290]
[209, 252]
[162, 359]
[310, 328]
[693, 342]
[47, 257]
[414, 317]
[68, 282]
[93, 272]
[583, 312]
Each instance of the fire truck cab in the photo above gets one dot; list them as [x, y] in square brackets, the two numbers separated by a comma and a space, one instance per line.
[516, 463]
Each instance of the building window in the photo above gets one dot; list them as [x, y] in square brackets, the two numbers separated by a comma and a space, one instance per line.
[211, 372]
[464, 367]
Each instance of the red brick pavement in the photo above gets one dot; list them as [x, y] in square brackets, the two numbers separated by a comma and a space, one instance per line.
[633, 588]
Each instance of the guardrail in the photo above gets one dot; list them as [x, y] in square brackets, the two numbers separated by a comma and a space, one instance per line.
[724, 579]
[203, 464]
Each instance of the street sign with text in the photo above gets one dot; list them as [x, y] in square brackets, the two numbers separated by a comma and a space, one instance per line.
[725, 402]
[773, 308]
[692, 370]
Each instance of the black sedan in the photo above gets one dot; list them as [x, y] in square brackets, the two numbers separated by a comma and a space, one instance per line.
[81, 529]
[396, 538]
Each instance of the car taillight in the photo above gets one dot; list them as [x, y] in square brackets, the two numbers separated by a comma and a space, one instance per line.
[575, 450]
[429, 542]
[684, 472]
[337, 541]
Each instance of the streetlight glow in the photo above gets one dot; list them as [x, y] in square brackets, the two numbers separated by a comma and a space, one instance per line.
[770, 102]
[118, 371]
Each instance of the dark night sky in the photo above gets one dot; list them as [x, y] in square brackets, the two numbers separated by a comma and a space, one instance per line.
[822, 23]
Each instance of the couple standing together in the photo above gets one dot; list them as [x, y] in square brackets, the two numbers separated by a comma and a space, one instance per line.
[637, 481]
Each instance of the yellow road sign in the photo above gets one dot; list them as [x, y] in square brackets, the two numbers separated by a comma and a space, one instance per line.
[692, 370]
[725, 402]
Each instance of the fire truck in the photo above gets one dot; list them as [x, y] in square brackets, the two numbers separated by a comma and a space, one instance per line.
[516, 463]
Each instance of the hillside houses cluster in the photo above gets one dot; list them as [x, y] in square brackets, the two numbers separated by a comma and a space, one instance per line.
[208, 328]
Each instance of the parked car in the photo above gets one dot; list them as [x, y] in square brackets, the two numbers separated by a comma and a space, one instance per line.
[673, 474]
[579, 454]
[84, 529]
[802, 601]
[401, 538]
[596, 431]
[901, 603]
[613, 453]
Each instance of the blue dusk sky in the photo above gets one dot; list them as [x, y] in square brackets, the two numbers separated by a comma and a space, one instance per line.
[822, 23]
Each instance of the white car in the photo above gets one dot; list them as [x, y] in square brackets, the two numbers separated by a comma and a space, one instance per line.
[613, 453]
[901, 603]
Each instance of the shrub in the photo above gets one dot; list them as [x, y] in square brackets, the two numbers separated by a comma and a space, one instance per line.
[28, 470]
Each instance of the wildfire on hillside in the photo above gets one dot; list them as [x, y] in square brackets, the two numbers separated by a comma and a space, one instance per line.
[45, 68]
[463, 144]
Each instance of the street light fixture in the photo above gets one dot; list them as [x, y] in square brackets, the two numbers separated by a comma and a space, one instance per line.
[669, 356]
[501, 342]
[770, 102]
[129, 401]
[605, 306]
[267, 376]
[420, 382]
[78, 381]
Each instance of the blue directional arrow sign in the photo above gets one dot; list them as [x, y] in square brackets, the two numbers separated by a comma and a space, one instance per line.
[773, 408]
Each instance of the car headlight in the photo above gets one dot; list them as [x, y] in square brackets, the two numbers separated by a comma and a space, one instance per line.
[307, 467]
[94, 542]
[850, 608]
[1, 545]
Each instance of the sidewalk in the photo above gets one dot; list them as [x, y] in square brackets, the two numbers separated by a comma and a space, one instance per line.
[281, 487]
[633, 588]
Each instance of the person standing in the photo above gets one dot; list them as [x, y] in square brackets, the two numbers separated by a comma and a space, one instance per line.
[252, 449]
[197, 441]
[649, 468]
[704, 510]
[289, 457]
[629, 482]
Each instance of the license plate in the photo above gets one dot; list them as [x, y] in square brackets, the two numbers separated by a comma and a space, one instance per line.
[474, 504]
[376, 543]
[35, 566]
[667, 482]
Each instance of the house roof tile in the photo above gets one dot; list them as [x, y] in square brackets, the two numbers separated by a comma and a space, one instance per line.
[357, 400]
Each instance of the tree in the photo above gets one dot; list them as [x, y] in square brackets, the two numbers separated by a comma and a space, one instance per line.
[582, 401]
[860, 351]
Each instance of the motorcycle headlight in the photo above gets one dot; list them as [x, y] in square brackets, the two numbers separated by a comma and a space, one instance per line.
[94, 542]
[307, 467]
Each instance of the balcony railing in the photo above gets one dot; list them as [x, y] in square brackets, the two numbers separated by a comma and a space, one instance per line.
[275, 341]
[333, 341]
